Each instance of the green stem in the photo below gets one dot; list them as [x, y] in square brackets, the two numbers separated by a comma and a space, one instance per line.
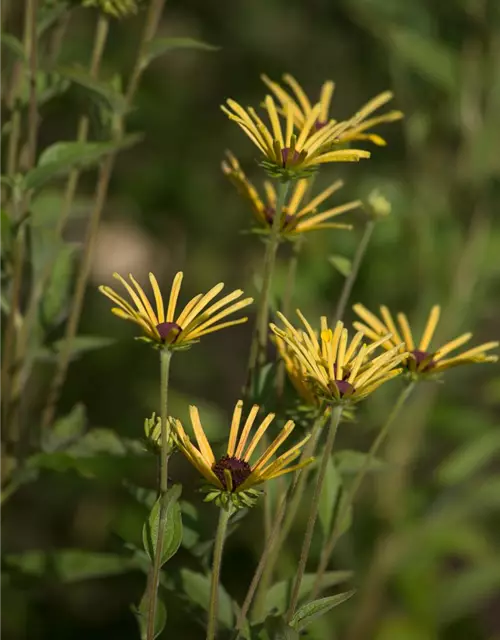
[220, 538]
[154, 581]
[259, 341]
[351, 278]
[285, 523]
[353, 490]
[313, 514]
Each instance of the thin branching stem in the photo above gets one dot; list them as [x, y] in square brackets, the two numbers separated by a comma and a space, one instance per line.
[220, 538]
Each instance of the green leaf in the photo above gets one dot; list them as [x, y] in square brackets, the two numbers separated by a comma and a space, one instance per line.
[61, 157]
[13, 44]
[141, 614]
[173, 528]
[57, 292]
[273, 628]
[278, 595]
[79, 346]
[341, 263]
[65, 430]
[102, 92]
[197, 588]
[430, 58]
[312, 610]
[469, 459]
[329, 498]
[48, 15]
[71, 565]
[159, 46]
[350, 462]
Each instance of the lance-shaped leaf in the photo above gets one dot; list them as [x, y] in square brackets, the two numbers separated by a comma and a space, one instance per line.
[13, 44]
[197, 588]
[141, 614]
[317, 608]
[57, 291]
[172, 536]
[103, 92]
[61, 157]
[159, 46]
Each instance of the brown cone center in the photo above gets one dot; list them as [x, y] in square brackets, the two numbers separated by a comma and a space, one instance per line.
[239, 470]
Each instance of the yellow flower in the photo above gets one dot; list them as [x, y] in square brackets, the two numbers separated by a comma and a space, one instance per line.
[168, 329]
[297, 374]
[289, 154]
[235, 475]
[420, 360]
[340, 372]
[294, 219]
[354, 128]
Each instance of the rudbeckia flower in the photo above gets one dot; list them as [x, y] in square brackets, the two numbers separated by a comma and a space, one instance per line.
[234, 476]
[168, 328]
[339, 371]
[420, 359]
[294, 218]
[290, 154]
[354, 128]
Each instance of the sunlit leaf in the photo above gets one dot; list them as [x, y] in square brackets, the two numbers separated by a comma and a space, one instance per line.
[173, 525]
[312, 610]
[159, 46]
[341, 263]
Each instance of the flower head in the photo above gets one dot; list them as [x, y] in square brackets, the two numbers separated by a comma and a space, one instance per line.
[355, 128]
[294, 218]
[420, 360]
[115, 8]
[166, 328]
[340, 372]
[291, 154]
[232, 477]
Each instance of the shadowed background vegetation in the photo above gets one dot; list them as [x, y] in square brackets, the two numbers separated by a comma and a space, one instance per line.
[424, 543]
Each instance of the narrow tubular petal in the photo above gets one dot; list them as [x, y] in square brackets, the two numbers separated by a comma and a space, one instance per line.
[371, 106]
[337, 332]
[390, 116]
[137, 318]
[286, 457]
[430, 328]
[258, 435]
[367, 390]
[289, 125]
[312, 334]
[275, 123]
[305, 227]
[274, 446]
[389, 323]
[202, 328]
[355, 342]
[174, 295]
[325, 99]
[347, 155]
[341, 354]
[373, 335]
[357, 362]
[297, 195]
[319, 137]
[197, 333]
[256, 140]
[201, 438]
[375, 366]
[147, 305]
[132, 294]
[160, 310]
[451, 346]
[370, 319]
[235, 425]
[263, 130]
[270, 193]
[247, 121]
[306, 129]
[296, 467]
[202, 303]
[476, 351]
[321, 197]
[194, 456]
[331, 213]
[299, 92]
[246, 430]
[117, 299]
[406, 331]
[283, 96]
[187, 309]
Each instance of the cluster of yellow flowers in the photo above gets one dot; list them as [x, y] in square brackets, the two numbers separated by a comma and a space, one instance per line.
[324, 366]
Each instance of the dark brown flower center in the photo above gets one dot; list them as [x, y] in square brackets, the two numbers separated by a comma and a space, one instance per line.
[423, 359]
[345, 388]
[239, 470]
[168, 331]
[319, 124]
[285, 155]
[270, 212]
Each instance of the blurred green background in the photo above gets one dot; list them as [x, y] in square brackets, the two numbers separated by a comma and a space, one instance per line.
[170, 209]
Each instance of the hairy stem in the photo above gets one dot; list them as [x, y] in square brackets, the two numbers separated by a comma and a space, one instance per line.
[313, 514]
[220, 538]
[154, 581]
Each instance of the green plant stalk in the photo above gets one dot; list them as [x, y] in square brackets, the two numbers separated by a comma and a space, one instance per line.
[220, 538]
[327, 550]
[154, 581]
[285, 522]
[271, 541]
[259, 340]
[313, 514]
[351, 278]
[151, 25]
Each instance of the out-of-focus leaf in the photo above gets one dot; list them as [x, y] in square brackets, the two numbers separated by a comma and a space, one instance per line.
[329, 497]
[341, 263]
[469, 459]
[71, 565]
[429, 57]
[173, 528]
[197, 588]
[6, 232]
[350, 462]
[56, 294]
[48, 15]
[13, 44]
[159, 46]
[312, 610]
[278, 595]
[190, 535]
[79, 346]
[65, 430]
[102, 91]
[61, 157]
[141, 615]
[273, 628]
